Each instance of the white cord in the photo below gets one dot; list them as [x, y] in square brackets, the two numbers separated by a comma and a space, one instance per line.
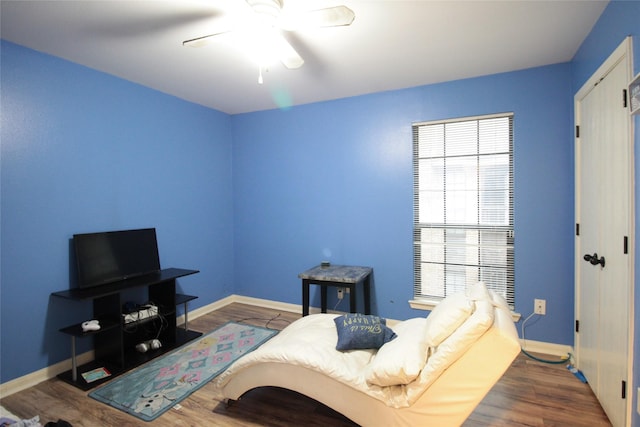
[524, 341]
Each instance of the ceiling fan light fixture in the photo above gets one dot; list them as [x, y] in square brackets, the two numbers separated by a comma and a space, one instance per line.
[258, 45]
[265, 46]
[260, 37]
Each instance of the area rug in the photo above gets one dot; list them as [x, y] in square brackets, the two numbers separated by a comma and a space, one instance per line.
[154, 388]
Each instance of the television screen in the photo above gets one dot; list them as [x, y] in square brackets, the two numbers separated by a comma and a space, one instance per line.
[115, 255]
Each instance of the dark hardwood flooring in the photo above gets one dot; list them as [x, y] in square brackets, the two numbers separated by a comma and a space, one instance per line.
[530, 393]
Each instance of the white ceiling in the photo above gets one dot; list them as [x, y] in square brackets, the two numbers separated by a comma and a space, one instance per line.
[390, 45]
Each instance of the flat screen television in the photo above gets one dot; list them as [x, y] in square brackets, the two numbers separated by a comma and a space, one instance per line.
[112, 256]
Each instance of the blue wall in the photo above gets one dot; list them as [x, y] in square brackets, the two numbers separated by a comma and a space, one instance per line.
[619, 20]
[252, 200]
[334, 181]
[83, 151]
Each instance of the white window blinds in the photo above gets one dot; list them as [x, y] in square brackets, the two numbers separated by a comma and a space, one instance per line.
[463, 206]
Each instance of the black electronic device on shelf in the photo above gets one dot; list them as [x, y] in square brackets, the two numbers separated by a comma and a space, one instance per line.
[112, 256]
[108, 264]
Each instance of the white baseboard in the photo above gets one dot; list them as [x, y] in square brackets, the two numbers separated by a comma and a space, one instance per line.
[194, 314]
[275, 305]
[34, 378]
[41, 375]
[559, 350]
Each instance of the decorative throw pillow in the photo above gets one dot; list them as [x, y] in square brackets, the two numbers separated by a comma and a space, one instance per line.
[401, 360]
[450, 313]
[357, 331]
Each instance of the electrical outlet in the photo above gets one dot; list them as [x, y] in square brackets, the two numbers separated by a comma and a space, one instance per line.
[340, 293]
[540, 306]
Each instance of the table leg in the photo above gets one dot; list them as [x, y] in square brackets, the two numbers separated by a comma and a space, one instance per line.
[352, 298]
[367, 295]
[305, 297]
[323, 298]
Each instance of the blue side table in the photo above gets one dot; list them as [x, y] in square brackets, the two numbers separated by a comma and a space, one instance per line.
[342, 276]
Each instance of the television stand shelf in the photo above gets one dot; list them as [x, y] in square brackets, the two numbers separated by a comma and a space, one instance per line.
[114, 343]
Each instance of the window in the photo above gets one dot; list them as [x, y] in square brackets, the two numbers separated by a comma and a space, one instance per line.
[463, 206]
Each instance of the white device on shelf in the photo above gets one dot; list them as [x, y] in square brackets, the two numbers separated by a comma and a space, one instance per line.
[90, 325]
[145, 312]
[143, 347]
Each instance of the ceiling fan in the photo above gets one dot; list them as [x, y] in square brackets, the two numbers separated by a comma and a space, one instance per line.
[262, 32]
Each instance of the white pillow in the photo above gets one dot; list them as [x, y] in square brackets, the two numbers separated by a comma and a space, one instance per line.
[459, 342]
[499, 301]
[478, 292]
[445, 318]
[400, 361]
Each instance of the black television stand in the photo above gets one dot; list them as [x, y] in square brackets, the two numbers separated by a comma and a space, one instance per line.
[114, 343]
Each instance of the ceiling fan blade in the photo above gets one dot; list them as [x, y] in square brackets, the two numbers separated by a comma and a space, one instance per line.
[286, 53]
[337, 16]
[201, 41]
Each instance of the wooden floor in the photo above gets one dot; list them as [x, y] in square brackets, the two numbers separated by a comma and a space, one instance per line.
[530, 394]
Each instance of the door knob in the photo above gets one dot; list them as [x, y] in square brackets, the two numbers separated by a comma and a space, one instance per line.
[593, 259]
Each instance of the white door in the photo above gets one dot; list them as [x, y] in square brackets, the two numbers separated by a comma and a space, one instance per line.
[603, 243]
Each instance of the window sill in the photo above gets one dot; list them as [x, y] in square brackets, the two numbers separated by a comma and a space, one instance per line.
[424, 304]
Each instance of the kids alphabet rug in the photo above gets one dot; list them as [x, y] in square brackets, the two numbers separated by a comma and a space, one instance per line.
[155, 387]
